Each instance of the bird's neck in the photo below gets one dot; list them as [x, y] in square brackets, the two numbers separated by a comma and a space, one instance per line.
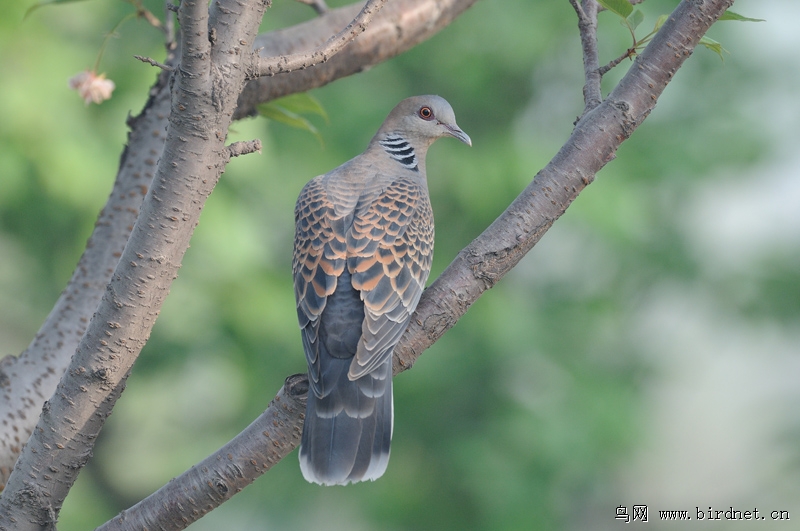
[402, 149]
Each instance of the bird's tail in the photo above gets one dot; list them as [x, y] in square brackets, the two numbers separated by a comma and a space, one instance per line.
[347, 433]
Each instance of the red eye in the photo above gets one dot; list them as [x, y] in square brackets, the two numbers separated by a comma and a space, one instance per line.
[426, 113]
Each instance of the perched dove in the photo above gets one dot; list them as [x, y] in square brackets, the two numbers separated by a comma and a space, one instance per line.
[362, 253]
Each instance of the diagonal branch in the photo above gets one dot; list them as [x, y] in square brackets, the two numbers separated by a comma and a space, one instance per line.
[269, 66]
[591, 146]
[476, 269]
[400, 25]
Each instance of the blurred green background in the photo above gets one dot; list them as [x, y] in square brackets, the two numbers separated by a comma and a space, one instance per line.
[645, 352]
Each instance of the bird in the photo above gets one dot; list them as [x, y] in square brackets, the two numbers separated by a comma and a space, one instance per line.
[362, 253]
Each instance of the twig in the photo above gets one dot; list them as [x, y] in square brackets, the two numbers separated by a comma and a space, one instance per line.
[269, 66]
[169, 25]
[578, 9]
[149, 17]
[243, 148]
[630, 53]
[587, 25]
[153, 62]
[593, 72]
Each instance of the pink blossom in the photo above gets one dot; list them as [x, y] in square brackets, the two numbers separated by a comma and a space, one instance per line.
[92, 87]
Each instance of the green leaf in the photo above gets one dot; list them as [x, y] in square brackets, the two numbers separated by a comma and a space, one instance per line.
[274, 111]
[635, 18]
[730, 15]
[623, 8]
[660, 22]
[43, 3]
[302, 103]
[714, 46]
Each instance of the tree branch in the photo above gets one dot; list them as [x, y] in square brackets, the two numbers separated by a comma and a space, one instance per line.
[31, 378]
[153, 62]
[592, 71]
[195, 61]
[476, 269]
[629, 53]
[269, 66]
[591, 146]
[400, 25]
[587, 25]
[238, 149]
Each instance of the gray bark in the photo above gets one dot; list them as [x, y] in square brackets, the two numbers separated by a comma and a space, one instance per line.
[204, 90]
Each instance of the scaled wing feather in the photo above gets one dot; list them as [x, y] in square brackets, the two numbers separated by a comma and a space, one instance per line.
[390, 249]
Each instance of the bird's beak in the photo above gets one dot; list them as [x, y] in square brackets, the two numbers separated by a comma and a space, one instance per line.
[455, 132]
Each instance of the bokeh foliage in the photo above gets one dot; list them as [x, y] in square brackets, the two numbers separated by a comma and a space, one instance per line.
[522, 415]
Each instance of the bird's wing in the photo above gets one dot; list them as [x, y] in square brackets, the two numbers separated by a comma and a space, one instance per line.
[318, 260]
[389, 254]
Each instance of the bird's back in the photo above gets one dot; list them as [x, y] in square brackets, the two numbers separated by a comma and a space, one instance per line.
[363, 252]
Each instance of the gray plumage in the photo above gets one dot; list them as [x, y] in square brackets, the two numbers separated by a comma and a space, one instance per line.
[362, 254]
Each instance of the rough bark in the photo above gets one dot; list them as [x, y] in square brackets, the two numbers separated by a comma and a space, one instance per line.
[271, 65]
[400, 25]
[587, 24]
[205, 87]
[30, 379]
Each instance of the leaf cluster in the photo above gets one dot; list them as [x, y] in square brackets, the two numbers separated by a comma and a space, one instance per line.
[631, 17]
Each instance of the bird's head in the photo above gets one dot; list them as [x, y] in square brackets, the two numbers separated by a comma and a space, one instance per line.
[423, 119]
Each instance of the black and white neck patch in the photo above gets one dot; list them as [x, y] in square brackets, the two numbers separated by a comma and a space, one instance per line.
[400, 150]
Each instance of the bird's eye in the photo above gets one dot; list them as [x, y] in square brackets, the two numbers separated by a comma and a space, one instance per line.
[426, 113]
